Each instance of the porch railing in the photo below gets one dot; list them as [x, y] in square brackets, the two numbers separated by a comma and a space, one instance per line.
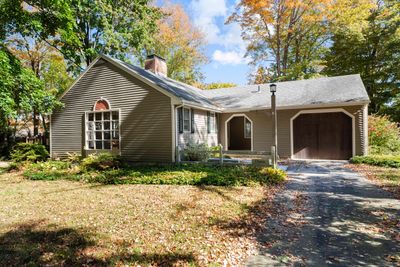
[222, 156]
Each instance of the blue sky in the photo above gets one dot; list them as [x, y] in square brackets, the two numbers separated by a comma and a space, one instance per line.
[225, 47]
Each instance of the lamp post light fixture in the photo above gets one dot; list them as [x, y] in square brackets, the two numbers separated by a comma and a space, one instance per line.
[274, 148]
[272, 88]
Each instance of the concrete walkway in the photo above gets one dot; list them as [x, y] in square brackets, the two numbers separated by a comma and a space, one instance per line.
[331, 216]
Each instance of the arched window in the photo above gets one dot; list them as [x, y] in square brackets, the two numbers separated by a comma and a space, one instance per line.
[101, 104]
[102, 127]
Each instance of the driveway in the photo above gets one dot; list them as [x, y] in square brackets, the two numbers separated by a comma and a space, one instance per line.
[329, 215]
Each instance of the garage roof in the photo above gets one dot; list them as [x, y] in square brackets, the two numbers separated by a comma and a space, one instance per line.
[339, 90]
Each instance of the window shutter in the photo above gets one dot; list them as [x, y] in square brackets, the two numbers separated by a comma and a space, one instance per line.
[180, 120]
[208, 122]
[192, 120]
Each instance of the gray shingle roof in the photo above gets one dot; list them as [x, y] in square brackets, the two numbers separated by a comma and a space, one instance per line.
[184, 91]
[321, 91]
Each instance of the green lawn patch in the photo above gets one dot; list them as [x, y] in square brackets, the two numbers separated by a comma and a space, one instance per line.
[185, 174]
[392, 161]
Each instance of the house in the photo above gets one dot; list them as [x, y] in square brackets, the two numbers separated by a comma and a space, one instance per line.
[143, 115]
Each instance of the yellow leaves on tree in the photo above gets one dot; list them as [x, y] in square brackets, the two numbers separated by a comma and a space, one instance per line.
[181, 44]
[292, 34]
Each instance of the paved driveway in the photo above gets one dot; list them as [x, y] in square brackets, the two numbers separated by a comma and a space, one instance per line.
[331, 216]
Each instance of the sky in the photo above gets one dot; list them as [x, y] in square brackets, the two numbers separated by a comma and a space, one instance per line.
[225, 48]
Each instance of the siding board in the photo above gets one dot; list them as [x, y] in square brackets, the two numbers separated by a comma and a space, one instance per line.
[145, 115]
[200, 134]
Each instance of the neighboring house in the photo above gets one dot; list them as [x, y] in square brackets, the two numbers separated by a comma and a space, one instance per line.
[143, 115]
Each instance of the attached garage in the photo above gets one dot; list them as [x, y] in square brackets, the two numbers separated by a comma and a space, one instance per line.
[323, 135]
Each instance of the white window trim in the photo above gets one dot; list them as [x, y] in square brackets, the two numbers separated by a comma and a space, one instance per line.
[214, 129]
[183, 119]
[244, 128]
[331, 110]
[226, 129]
[86, 148]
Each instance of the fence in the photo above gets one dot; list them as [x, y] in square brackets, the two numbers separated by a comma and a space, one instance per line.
[40, 139]
[221, 156]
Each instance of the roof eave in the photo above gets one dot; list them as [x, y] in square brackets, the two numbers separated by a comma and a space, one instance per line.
[175, 98]
[310, 106]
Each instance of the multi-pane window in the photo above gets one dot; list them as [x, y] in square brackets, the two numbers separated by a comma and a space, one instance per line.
[186, 120]
[247, 128]
[102, 129]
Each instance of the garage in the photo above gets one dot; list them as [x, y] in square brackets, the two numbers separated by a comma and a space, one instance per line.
[322, 136]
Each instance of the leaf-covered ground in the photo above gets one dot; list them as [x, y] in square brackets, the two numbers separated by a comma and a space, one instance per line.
[72, 223]
[385, 177]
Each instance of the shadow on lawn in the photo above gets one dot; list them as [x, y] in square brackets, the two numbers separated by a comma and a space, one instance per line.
[35, 244]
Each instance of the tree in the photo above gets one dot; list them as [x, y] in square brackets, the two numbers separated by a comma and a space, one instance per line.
[289, 37]
[20, 92]
[217, 85]
[81, 29]
[48, 65]
[180, 43]
[260, 76]
[374, 52]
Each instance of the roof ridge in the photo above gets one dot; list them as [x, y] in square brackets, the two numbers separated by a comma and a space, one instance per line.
[303, 80]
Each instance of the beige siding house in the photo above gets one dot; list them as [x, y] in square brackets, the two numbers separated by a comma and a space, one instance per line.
[144, 116]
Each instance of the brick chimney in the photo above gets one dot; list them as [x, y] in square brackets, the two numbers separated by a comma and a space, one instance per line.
[156, 64]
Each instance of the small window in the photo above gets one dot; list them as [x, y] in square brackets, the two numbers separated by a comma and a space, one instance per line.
[186, 120]
[212, 122]
[247, 128]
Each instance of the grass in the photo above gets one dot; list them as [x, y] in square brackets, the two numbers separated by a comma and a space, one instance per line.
[392, 161]
[73, 223]
[186, 174]
[386, 177]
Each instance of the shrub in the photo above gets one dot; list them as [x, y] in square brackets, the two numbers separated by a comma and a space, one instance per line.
[378, 160]
[22, 152]
[101, 161]
[51, 170]
[197, 152]
[74, 157]
[384, 135]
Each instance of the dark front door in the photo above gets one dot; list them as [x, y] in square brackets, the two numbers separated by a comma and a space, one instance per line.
[237, 138]
[322, 136]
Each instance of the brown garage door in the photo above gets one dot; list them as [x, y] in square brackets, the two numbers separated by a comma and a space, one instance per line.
[322, 136]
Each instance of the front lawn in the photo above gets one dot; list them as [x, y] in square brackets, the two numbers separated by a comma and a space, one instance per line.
[74, 223]
[186, 174]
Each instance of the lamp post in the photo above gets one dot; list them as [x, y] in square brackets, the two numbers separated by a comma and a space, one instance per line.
[274, 150]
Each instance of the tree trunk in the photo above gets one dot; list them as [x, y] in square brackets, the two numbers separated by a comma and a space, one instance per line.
[35, 123]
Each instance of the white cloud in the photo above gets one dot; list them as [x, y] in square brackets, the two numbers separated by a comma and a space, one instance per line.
[210, 16]
[228, 57]
[205, 13]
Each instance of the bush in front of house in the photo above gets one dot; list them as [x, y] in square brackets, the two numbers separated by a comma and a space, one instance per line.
[196, 152]
[101, 161]
[392, 161]
[184, 174]
[26, 152]
[52, 170]
[188, 174]
[384, 135]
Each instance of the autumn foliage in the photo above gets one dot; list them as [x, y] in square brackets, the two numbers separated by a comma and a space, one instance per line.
[292, 34]
[384, 135]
